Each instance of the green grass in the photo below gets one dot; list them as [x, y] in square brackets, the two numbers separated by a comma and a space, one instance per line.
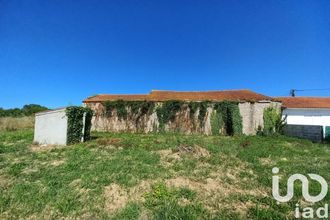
[233, 182]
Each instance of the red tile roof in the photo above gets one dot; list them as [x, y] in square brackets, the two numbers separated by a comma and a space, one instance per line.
[304, 102]
[156, 95]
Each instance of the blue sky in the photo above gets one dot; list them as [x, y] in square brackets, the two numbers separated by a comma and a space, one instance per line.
[57, 53]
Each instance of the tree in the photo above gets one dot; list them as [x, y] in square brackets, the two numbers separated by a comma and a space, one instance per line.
[27, 110]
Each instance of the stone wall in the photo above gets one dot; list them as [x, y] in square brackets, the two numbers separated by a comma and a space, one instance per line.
[252, 117]
[311, 132]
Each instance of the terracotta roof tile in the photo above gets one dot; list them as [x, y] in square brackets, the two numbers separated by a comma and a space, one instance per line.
[304, 102]
[104, 97]
[156, 95]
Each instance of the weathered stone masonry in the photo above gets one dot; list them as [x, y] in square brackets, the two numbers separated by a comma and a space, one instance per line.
[252, 115]
[250, 111]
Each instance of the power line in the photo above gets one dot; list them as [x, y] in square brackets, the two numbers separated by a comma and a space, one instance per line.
[293, 91]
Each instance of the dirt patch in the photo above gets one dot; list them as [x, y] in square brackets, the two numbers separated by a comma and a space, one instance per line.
[109, 141]
[266, 161]
[176, 154]
[75, 183]
[57, 162]
[208, 186]
[214, 192]
[29, 170]
[117, 197]
[194, 150]
[5, 181]
[8, 144]
[167, 157]
[44, 148]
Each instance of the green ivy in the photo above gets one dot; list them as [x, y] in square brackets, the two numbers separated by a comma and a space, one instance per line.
[216, 122]
[202, 107]
[235, 119]
[230, 116]
[139, 108]
[119, 105]
[88, 124]
[227, 113]
[167, 112]
[193, 107]
[202, 111]
[75, 116]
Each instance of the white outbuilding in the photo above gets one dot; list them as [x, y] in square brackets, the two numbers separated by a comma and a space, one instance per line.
[309, 111]
[62, 126]
[51, 127]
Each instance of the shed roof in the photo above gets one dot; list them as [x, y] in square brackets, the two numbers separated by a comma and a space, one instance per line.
[305, 102]
[161, 95]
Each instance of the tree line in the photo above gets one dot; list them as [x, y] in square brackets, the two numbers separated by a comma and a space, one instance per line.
[27, 110]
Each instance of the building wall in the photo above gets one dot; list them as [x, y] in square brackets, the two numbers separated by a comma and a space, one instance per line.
[252, 117]
[310, 116]
[51, 128]
[311, 132]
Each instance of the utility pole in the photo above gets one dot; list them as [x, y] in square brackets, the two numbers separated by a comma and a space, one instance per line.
[293, 92]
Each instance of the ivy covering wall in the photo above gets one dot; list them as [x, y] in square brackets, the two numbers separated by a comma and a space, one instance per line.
[228, 117]
[225, 117]
[75, 116]
[122, 108]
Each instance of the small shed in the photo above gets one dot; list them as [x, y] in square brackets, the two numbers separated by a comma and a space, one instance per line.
[51, 127]
[62, 126]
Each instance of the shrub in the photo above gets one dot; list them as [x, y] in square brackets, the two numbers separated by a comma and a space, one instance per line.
[75, 116]
[273, 121]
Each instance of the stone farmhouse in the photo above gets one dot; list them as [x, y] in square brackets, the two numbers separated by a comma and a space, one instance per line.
[208, 112]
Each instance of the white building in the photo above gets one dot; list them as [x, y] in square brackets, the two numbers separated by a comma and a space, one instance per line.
[51, 127]
[307, 111]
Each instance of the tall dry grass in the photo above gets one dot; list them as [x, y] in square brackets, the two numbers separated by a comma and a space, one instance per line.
[13, 124]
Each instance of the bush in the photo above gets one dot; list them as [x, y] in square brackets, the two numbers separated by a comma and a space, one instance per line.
[273, 122]
[75, 116]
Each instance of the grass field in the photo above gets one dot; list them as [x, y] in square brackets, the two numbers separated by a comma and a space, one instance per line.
[154, 176]
[16, 123]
